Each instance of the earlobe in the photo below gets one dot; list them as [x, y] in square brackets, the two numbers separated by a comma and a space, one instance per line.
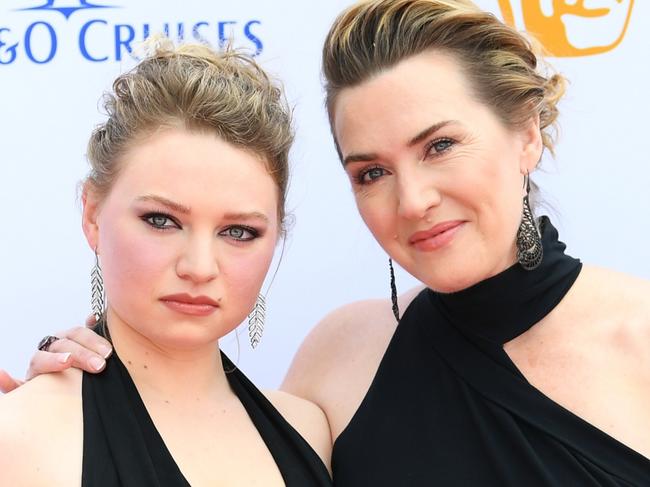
[533, 145]
[90, 204]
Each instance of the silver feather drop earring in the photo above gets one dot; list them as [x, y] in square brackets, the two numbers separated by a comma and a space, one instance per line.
[529, 241]
[256, 321]
[97, 302]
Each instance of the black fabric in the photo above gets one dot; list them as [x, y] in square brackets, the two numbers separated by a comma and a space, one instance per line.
[123, 448]
[448, 407]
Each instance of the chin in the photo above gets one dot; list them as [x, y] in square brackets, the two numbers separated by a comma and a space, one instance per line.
[449, 286]
[455, 279]
[180, 333]
[456, 271]
[186, 337]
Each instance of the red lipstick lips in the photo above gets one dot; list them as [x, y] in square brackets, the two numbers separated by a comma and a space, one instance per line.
[190, 305]
[436, 237]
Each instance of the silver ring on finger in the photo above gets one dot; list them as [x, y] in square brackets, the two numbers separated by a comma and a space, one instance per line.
[44, 344]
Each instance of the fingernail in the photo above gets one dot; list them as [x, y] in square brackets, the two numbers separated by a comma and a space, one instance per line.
[64, 357]
[97, 363]
[105, 351]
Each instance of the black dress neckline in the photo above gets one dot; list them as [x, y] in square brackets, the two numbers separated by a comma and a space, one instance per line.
[122, 446]
[448, 407]
[502, 307]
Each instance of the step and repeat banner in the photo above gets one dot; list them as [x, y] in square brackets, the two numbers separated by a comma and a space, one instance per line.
[58, 57]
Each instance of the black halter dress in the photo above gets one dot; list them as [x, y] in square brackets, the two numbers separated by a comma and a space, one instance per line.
[122, 447]
[448, 407]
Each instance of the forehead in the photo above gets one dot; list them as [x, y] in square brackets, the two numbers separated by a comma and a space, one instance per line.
[196, 168]
[400, 101]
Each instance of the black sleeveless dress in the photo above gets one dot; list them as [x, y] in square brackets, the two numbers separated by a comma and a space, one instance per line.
[448, 407]
[123, 448]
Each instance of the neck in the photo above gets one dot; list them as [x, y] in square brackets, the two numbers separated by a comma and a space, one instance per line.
[508, 303]
[163, 373]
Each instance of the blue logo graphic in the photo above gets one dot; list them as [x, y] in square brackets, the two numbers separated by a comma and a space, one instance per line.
[67, 11]
[100, 39]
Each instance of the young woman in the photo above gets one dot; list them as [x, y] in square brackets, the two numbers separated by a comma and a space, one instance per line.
[183, 208]
[517, 365]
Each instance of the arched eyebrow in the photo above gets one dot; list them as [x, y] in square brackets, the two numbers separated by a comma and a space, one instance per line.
[359, 158]
[186, 210]
[429, 131]
[172, 205]
[424, 134]
[251, 215]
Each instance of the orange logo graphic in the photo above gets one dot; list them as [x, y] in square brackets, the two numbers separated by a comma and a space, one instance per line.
[569, 28]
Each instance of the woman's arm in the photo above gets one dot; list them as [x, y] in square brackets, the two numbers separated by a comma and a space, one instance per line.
[308, 419]
[78, 347]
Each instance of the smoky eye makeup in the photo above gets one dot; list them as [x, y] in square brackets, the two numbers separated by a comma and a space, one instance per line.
[241, 233]
[160, 220]
[234, 225]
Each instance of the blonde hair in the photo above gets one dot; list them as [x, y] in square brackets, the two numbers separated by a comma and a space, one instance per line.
[225, 93]
[501, 64]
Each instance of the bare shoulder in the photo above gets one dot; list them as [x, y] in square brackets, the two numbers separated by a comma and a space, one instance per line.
[618, 294]
[307, 418]
[337, 361]
[38, 420]
[617, 283]
[38, 399]
[340, 341]
[618, 306]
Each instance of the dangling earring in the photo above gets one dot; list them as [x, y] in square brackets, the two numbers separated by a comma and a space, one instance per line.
[529, 240]
[393, 290]
[256, 321]
[97, 291]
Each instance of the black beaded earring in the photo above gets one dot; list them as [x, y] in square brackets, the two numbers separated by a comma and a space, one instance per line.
[529, 240]
[393, 290]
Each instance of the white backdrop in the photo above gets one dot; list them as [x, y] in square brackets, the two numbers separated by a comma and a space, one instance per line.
[49, 95]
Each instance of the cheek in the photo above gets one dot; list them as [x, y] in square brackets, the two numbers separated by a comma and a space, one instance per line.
[245, 271]
[132, 262]
[490, 184]
[378, 214]
[496, 200]
[242, 272]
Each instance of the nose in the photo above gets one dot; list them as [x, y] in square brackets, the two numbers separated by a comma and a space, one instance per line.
[417, 194]
[198, 260]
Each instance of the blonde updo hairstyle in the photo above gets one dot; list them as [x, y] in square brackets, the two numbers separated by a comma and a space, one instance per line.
[194, 87]
[501, 64]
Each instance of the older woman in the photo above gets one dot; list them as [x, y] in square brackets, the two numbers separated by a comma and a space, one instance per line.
[516, 365]
[183, 207]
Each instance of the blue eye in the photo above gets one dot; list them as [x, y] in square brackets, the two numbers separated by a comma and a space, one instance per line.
[438, 146]
[160, 221]
[370, 175]
[240, 233]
